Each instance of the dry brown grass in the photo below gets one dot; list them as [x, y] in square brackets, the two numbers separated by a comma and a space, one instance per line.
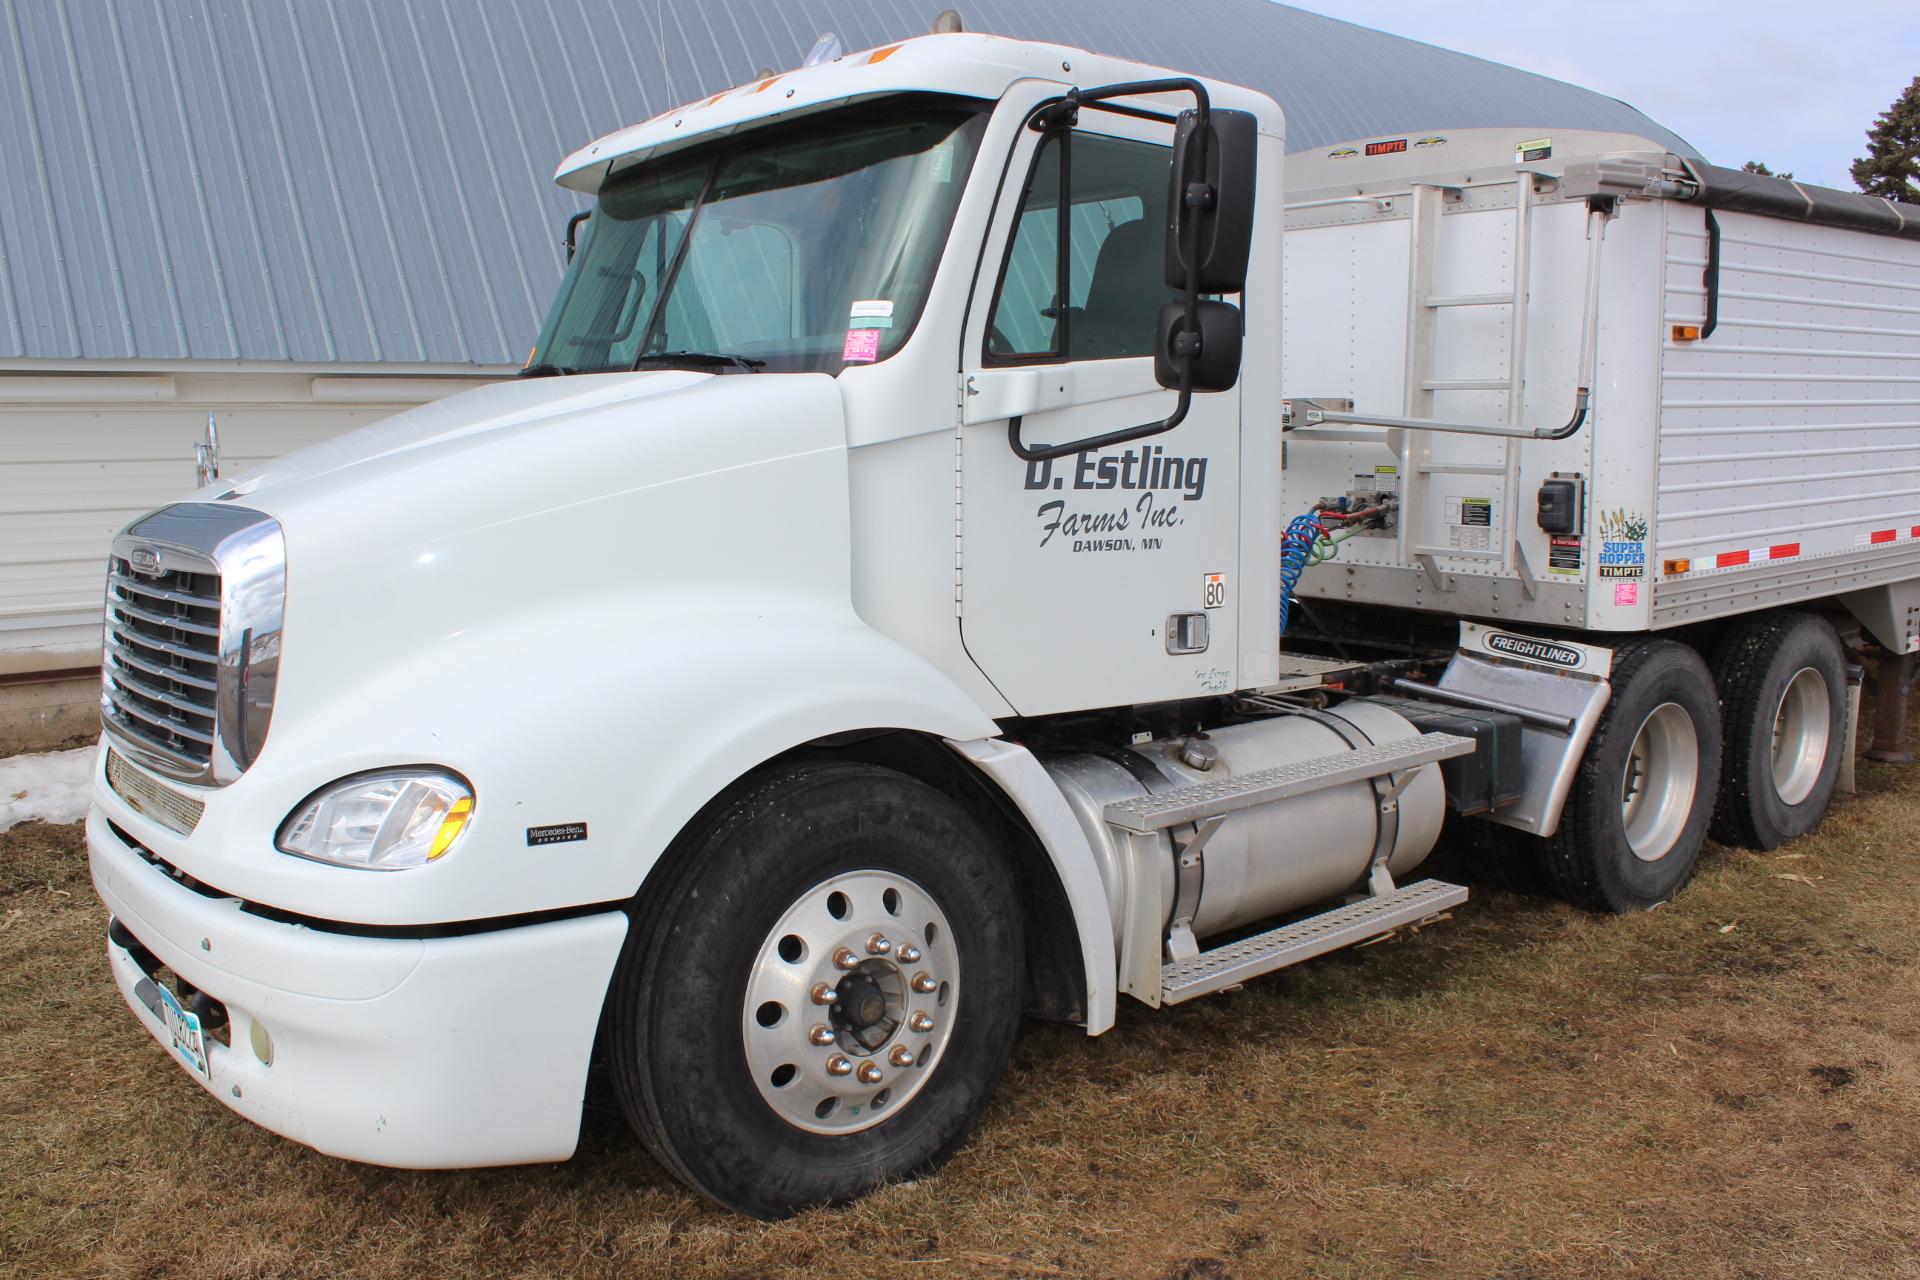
[1523, 1092]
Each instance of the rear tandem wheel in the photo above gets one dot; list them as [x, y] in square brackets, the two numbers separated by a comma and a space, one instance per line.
[1637, 816]
[1783, 694]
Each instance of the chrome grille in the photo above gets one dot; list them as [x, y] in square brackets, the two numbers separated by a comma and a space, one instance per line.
[196, 594]
[162, 659]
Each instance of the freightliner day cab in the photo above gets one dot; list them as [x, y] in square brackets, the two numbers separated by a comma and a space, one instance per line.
[862, 625]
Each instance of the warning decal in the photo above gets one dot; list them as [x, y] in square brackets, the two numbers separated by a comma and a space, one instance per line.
[1564, 555]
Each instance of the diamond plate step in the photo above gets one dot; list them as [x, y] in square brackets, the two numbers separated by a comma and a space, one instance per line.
[1304, 939]
[1147, 814]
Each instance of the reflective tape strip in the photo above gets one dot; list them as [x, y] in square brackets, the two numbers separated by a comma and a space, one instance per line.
[1738, 559]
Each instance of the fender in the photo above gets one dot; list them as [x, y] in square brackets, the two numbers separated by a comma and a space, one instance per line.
[1015, 771]
[600, 609]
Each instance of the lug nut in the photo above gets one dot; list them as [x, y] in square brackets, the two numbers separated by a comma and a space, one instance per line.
[909, 954]
[839, 1066]
[924, 983]
[878, 945]
[844, 958]
[822, 1034]
[921, 1022]
[824, 994]
[901, 1056]
[870, 1073]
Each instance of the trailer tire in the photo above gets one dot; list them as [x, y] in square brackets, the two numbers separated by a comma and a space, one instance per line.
[1783, 696]
[786, 885]
[1637, 818]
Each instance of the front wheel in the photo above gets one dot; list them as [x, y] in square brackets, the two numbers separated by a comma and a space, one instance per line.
[821, 993]
[1634, 825]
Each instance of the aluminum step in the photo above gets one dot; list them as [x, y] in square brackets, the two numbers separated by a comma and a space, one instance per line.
[1466, 384]
[1150, 813]
[1470, 300]
[1346, 926]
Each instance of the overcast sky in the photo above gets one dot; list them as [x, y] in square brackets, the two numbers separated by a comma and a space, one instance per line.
[1795, 85]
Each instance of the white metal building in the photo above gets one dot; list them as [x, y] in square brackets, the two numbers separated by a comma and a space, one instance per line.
[301, 218]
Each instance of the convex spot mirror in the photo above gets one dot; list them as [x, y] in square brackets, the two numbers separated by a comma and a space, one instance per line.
[1226, 220]
[1215, 358]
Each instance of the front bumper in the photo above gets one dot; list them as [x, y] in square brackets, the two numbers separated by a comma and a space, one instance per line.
[440, 1052]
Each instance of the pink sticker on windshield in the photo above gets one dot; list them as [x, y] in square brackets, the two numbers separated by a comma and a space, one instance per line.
[863, 346]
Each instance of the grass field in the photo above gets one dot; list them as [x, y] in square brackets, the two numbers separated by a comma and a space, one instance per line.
[1728, 1086]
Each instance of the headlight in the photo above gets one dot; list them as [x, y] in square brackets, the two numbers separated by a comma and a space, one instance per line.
[383, 821]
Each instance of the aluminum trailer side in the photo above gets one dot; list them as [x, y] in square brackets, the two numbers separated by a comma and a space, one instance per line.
[1753, 434]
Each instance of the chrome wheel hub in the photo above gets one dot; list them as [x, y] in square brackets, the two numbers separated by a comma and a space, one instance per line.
[850, 1002]
[1659, 781]
[1801, 725]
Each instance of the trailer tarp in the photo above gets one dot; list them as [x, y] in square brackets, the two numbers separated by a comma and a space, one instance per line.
[1742, 192]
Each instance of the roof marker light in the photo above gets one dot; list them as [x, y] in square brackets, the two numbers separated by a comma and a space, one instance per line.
[826, 49]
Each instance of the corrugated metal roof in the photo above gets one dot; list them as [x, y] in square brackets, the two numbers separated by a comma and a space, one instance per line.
[368, 181]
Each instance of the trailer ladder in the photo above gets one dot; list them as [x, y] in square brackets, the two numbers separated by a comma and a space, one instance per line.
[1424, 307]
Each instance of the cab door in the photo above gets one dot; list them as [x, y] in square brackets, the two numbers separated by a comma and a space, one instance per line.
[1104, 577]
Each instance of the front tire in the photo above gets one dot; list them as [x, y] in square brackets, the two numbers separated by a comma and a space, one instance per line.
[1783, 694]
[1634, 825]
[821, 993]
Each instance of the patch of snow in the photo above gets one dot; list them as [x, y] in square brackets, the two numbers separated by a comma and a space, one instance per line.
[51, 786]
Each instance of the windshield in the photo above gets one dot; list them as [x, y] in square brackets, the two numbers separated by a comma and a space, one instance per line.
[806, 248]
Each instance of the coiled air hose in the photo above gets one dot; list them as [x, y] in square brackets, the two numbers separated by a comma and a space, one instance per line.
[1306, 543]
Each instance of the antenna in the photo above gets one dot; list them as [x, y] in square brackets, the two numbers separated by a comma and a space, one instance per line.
[660, 42]
[948, 23]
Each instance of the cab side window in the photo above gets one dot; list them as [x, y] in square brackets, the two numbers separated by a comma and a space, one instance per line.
[1100, 299]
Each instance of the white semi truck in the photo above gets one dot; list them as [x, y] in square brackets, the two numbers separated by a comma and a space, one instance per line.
[939, 564]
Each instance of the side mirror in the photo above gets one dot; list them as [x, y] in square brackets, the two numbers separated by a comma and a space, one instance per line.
[1209, 344]
[1219, 197]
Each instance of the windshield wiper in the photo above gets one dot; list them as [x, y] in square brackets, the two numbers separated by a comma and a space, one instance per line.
[546, 371]
[701, 359]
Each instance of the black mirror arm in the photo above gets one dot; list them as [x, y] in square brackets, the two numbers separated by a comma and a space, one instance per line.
[573, 228]
[1064, 110]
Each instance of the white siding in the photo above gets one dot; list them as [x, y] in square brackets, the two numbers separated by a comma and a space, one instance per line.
[81, 455]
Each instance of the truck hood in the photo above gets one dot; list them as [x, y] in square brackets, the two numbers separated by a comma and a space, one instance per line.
[520, 452]
[495, 410]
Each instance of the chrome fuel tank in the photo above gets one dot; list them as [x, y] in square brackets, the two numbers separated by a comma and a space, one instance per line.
[1274, 858]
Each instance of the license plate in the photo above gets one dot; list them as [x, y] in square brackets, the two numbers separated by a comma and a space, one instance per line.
[183, 1028]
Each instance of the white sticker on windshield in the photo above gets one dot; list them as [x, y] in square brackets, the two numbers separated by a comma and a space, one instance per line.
[872, 313]
[940, 162]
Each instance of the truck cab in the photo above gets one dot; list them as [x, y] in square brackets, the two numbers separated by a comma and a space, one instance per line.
[858, 626]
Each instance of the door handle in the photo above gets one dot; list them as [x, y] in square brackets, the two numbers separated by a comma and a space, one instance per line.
[994, 394]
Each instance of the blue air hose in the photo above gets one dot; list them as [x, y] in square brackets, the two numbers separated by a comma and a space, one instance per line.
[1296, 553]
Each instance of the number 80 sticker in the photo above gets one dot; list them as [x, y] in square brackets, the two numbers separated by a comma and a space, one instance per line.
[1215, 594]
